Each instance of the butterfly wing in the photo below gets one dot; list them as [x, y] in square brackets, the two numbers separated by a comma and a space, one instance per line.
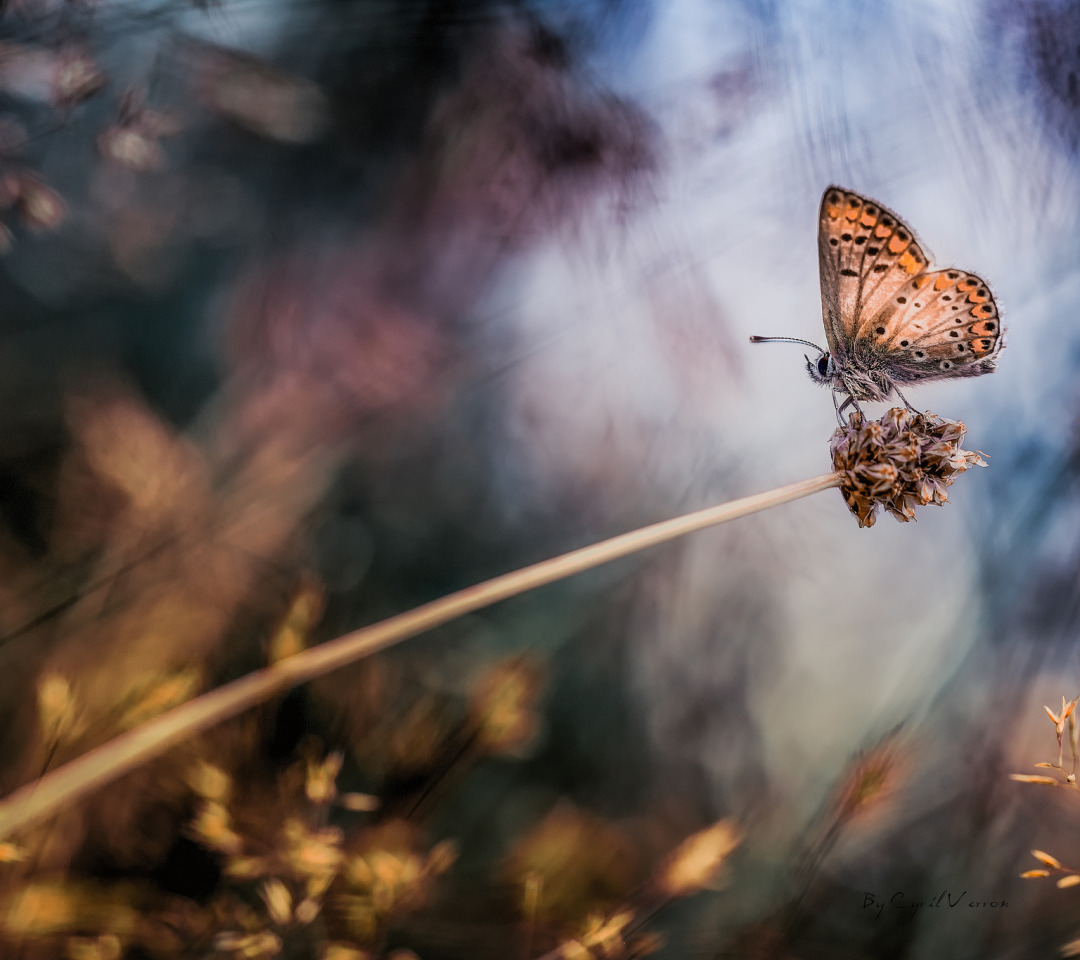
[943, 324]
[883, 313]
[866, 256]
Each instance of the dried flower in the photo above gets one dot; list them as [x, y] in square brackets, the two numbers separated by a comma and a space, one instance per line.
[39, 206]
[246, 868]
[210, 782]
[251, 93]
[1046, 858]
[504, 705]
[872, 778]
[56, 705]
[1031, 778]
[105, 947]
[156, 695]
[901, 461]
[320, 784]
[130, 148]
[306, 911]
[250, 946]
[581, 863]
[278, 900]
[77, 76]
[695, 862]
[344, 951]
[359, 802]
[291, 635]
[607, 934]
[212, 828]
[313, 854]
[1058, 720]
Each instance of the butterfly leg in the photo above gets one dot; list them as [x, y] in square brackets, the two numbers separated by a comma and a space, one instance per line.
[905, 399]
[848, 401]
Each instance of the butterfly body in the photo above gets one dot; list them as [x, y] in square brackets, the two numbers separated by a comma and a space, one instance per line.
[889, 320]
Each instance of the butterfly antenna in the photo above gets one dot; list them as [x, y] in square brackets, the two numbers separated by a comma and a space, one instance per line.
[786, 340]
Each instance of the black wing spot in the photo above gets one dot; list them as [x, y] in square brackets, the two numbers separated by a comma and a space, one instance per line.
[834, 242]
[902, 235]
[846, 272]
[956, 306]
[881, 268]
[946, 297]
[954, 333]
[989, 326]
[946, 365]
[953, 275]
[880, 331]
[860, 240]
[986, 343]
[904, 343]
[901, 299]
[873, 251]
[871, 210]
[960, 348]
[834, 198]
[845, 237]
[982, 293]
[886, 222]
[919, 354]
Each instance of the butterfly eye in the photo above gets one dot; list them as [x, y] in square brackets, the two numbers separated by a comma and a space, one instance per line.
[823, 365]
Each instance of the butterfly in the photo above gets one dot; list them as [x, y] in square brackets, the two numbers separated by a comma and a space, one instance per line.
[889, 319]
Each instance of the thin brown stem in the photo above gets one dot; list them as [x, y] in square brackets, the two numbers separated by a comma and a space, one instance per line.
[106, 763]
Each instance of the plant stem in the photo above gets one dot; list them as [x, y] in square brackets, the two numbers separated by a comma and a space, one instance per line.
[106, 763]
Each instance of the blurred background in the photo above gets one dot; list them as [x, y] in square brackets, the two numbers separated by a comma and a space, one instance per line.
[316, 310]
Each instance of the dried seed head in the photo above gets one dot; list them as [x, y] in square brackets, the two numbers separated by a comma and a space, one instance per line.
[872, 779]
[901, 461]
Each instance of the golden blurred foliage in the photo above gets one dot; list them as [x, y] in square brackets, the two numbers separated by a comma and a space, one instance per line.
[580, 863]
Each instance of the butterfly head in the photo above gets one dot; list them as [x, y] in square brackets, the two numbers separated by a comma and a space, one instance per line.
[822, 369]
